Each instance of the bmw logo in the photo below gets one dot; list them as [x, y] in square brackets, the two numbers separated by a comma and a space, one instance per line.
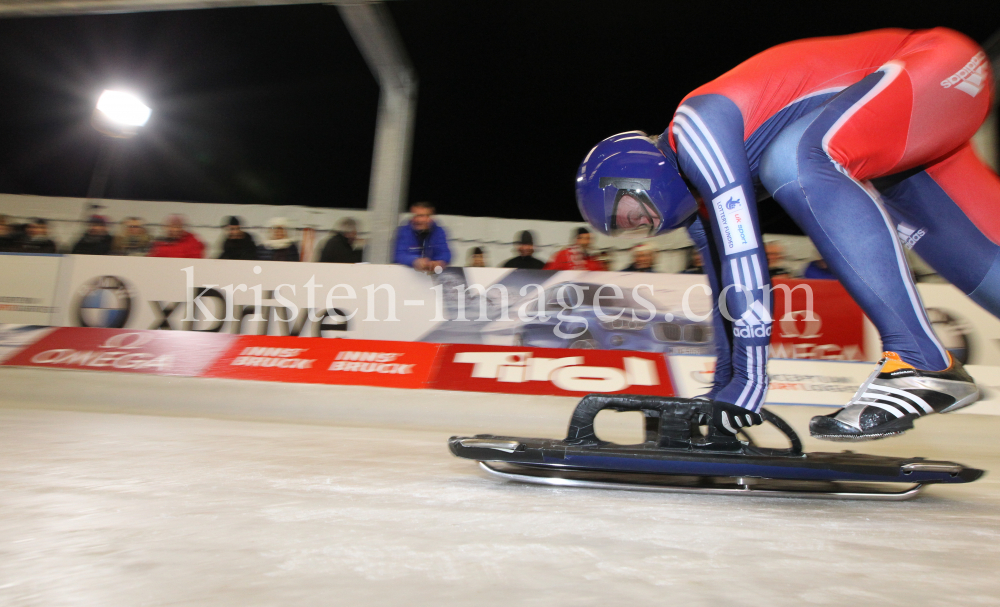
[103, 302]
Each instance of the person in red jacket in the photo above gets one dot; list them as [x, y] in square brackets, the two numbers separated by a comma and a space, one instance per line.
[576, 256]
[179, 242]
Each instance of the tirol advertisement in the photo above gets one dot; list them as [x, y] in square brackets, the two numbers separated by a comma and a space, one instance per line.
[662, 313]
[550, 371]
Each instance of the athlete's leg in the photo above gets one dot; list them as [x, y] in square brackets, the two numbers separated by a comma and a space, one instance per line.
[818, 169]
[950, 215]
[897, 118]
[849, 226]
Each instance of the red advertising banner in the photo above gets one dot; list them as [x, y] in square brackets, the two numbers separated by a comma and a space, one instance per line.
[551, 371]
[816, 319]
[184, 353]
[315, 360]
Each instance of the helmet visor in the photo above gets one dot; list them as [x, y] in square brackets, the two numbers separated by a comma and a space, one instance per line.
[633, 214]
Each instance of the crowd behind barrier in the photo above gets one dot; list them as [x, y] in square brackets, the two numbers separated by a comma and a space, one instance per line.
[138, 228]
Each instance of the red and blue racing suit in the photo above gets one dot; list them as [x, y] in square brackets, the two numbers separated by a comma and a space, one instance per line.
[864, 141]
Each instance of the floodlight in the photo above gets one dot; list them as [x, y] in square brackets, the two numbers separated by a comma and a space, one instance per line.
[123, 108]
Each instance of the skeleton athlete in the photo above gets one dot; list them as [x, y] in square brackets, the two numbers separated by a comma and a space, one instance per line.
[860, 138]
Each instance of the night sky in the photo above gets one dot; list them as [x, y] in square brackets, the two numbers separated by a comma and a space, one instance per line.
[275, 105]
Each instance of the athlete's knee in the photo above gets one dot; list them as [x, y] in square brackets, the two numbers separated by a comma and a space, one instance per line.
[778, 165]
[783, 163]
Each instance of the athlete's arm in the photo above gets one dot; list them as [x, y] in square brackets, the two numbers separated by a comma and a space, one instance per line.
[721, 329]
[708, 131]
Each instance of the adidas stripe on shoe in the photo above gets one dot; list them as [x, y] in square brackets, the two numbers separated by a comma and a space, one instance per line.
[895, 394]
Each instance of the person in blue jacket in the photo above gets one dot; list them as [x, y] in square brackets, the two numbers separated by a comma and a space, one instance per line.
[421, 243]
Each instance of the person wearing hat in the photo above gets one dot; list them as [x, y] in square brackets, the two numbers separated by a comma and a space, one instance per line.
[525, 259]
[477, 258]
[177, 241]
[576, 256]
[279, 247]
[642, 259]
[96, 240]
[339, 248]
[238, 244]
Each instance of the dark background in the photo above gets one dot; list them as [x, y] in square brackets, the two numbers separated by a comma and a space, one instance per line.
[275, 105]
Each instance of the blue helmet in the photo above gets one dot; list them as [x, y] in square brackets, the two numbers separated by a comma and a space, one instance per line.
[626, 186]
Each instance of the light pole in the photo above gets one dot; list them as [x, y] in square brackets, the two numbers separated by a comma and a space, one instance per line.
[119, 115]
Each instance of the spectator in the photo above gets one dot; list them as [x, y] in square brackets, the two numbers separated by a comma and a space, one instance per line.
[694, 264]
[132, 239]
[96, 240]
[37, 240]
[8, 239]
[307, 243]
[603, 259]
[178, 242]
[477, 259]
[575, 256]
[642, 259]
[421, 243]
[238, 244]
[819, 270]
[525, 259]
[776, 260]
[279, 247]
[339, 248]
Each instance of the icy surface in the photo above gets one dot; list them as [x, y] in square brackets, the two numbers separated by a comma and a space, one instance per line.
[109, 509]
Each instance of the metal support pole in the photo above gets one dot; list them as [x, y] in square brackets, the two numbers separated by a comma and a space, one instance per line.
[102, 168]
[373, 31]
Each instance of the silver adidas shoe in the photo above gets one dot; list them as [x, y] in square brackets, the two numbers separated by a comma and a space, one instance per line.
[895, 394]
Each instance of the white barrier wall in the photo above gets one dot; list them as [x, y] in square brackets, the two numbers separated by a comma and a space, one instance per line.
[149, 293]
[28, 288]
[359, 301]
[818, 383]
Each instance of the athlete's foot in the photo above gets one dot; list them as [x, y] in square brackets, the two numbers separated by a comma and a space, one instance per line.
[894, 395]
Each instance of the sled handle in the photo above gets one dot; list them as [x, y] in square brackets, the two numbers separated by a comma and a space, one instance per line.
[785, 429]
[683, 415]
[581, 425]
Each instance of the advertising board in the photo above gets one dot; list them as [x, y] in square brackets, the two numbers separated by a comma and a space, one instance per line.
[816, 319]
[391, 364]
[28, 285]
[14, 338]
[129, 351]
[664, 313]
[796, 382]
[573, 372]
[969, 332]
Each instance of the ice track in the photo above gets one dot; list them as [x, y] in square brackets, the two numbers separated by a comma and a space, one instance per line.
[120, 490]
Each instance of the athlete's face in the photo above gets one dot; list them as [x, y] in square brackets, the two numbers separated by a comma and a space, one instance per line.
[635, 217]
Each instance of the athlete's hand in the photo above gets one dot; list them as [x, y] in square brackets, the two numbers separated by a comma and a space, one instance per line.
[729, 419]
